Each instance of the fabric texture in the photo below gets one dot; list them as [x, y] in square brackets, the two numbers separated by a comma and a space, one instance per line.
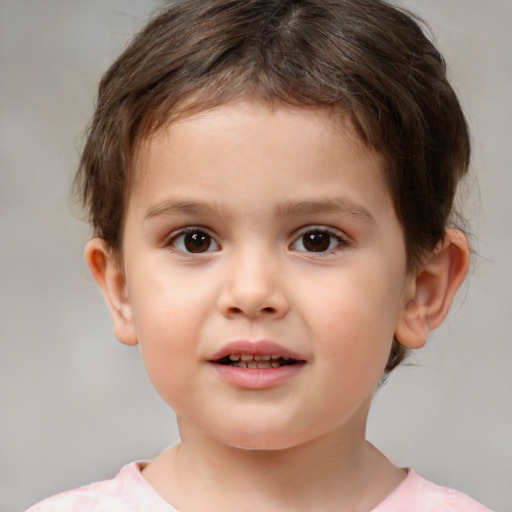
[130, 492]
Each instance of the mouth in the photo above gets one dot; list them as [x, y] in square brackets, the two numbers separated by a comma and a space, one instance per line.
[256, 361]
[256, 365]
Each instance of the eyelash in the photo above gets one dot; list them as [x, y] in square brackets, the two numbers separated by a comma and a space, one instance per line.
[332, 234]
[180, 235]
[205, 238]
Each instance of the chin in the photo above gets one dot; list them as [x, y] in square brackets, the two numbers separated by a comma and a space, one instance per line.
[262, 439]
[261, 444]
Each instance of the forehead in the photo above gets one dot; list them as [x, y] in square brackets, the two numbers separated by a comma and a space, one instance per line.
[322, 126]
[250, 159]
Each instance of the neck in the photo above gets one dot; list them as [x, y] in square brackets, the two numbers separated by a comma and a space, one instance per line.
[335, 472]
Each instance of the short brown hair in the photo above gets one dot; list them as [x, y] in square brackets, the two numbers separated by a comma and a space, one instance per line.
[364, 58]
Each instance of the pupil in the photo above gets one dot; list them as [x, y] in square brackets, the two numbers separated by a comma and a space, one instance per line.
[316, 241]
[197, 242]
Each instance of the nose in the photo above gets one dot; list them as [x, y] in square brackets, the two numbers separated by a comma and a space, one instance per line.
[253, 289]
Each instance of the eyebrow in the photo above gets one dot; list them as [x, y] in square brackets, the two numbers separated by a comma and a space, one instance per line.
[335, 206]
[167, 208]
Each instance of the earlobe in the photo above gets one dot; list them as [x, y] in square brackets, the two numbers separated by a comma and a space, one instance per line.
[109, 275]
[432, 289]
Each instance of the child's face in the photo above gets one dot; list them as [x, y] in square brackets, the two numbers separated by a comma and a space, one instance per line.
[268, 232]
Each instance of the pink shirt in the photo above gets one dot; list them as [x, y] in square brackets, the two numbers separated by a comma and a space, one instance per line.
[130, 492]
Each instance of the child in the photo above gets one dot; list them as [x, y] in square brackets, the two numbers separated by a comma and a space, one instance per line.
[271, 186]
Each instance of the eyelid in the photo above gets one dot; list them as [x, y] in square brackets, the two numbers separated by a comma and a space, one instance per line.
[176, 234]
[341, 238]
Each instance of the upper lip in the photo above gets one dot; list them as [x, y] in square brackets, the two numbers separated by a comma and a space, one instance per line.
[256, 348]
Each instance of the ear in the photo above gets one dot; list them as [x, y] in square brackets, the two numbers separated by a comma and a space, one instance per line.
[108, 273]
[432, 288]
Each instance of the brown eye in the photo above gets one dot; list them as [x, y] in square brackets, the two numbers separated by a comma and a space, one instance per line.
[317, 240]
[194, 242]
[197, 242]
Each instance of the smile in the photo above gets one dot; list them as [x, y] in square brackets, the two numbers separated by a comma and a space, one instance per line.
[253, 361]
[256, 365]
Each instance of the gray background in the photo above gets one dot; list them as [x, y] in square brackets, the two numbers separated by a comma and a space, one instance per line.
[76, 405]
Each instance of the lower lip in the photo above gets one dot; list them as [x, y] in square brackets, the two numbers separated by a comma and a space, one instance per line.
[257, 378]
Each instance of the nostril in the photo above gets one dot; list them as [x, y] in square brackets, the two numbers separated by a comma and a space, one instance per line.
[268, 310]
[252, 305]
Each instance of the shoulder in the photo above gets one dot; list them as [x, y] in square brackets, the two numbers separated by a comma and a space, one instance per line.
[417, 494]
[127, 492]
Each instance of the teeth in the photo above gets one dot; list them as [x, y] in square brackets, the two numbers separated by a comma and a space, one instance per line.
[251, 357]
[263, 358]
[257, 364]
[257, 361]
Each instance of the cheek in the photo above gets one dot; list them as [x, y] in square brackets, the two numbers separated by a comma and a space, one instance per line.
[355, 314]
[164, 321]
[166, 304]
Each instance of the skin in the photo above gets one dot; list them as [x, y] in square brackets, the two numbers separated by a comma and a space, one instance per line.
[252, 180]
